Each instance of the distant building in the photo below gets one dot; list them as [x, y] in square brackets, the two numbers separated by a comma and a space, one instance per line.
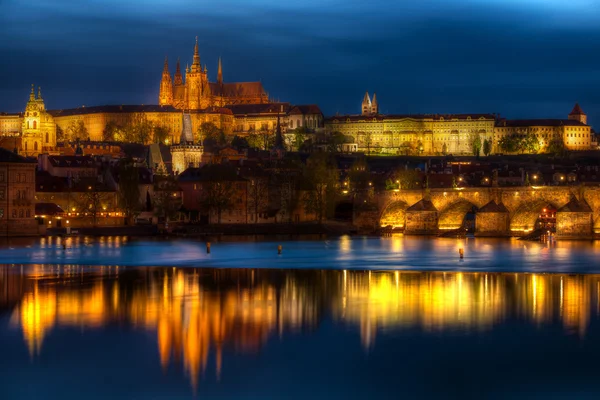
[436, 134]
[198, 93]
[420, 134]
[17, 191]
[574, 133]
[186, 154]
[38, 127]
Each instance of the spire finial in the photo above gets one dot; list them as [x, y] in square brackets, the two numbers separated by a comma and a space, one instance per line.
[39, 96]
[220, 72]
[32, 94]
[196, 61]
[166, 67]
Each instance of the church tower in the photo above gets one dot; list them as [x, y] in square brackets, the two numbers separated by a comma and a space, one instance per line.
[193, 81]
[165, 96]
[374, 105]
[577, 114]
[39, 129]
[366, 104]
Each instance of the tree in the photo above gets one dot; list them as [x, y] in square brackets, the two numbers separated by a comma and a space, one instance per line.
[420, 148]
[407, 148]
[239, 143]
[368, 141]
[76, 130]
[321, 177]
[337, 140]
[487, 147]
[359, 175]
[475, 144]
[160, 134]
[111, 132]
[166, 200]
[299, 137]
[254, 140]
[258, 196]
[510, 143]
[137, 130]
[210, 136]
[93, 201]
[530, 143]
[218, 189]
[556, 146]
[129, 190]
[404, 179]
[60, 134]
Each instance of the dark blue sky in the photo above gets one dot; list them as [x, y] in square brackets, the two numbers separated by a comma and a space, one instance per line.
[519, 58]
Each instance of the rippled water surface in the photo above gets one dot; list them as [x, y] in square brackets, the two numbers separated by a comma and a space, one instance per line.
[344, 318]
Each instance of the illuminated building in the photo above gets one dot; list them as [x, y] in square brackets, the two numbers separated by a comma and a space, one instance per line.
[436, 134]
[17, 191]
[38, 128]
[196, 92]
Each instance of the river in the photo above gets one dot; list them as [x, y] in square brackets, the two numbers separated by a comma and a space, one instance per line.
[350, 317]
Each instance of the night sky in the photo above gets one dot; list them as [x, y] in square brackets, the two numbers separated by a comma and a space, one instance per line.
[519, 58]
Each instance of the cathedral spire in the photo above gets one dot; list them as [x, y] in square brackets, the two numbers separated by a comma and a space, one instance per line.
[166, 67]
[196, 62]
[32, 94]
[366, 104]
[220, 72]
[374, 105]
[178, 78]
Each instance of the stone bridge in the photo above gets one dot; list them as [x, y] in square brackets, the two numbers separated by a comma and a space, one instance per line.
[498, 211]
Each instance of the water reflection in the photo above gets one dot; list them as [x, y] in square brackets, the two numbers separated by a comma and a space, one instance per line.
[197, 314]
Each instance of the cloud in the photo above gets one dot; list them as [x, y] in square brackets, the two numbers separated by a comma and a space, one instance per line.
[521, 59]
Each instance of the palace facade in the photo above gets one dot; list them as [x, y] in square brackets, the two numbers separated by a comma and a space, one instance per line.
[435, 134]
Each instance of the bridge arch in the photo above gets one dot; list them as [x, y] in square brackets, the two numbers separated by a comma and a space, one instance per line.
[394, 215]
[525, 217]
[453, 215]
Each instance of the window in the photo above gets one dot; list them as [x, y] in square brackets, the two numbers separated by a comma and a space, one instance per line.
[21, 214]
[34, 124]
[35, 146]
[1, 176]
[47, 138]
[2, 194]
[28, 213]
[14, 213]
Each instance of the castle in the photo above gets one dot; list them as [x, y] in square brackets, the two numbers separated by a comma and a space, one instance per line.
[435, 134]
[198, 93]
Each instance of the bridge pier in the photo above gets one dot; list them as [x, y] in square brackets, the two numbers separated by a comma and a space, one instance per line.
[492, 220]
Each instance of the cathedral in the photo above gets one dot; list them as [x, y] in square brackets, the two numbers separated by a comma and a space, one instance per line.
[196, 92]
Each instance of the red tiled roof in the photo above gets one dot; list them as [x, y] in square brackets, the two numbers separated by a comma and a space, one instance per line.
[305, 109]
[237, 89]
[48, 209]
[72, 161]
[434, 117]
[537, 122]
[576, 110]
